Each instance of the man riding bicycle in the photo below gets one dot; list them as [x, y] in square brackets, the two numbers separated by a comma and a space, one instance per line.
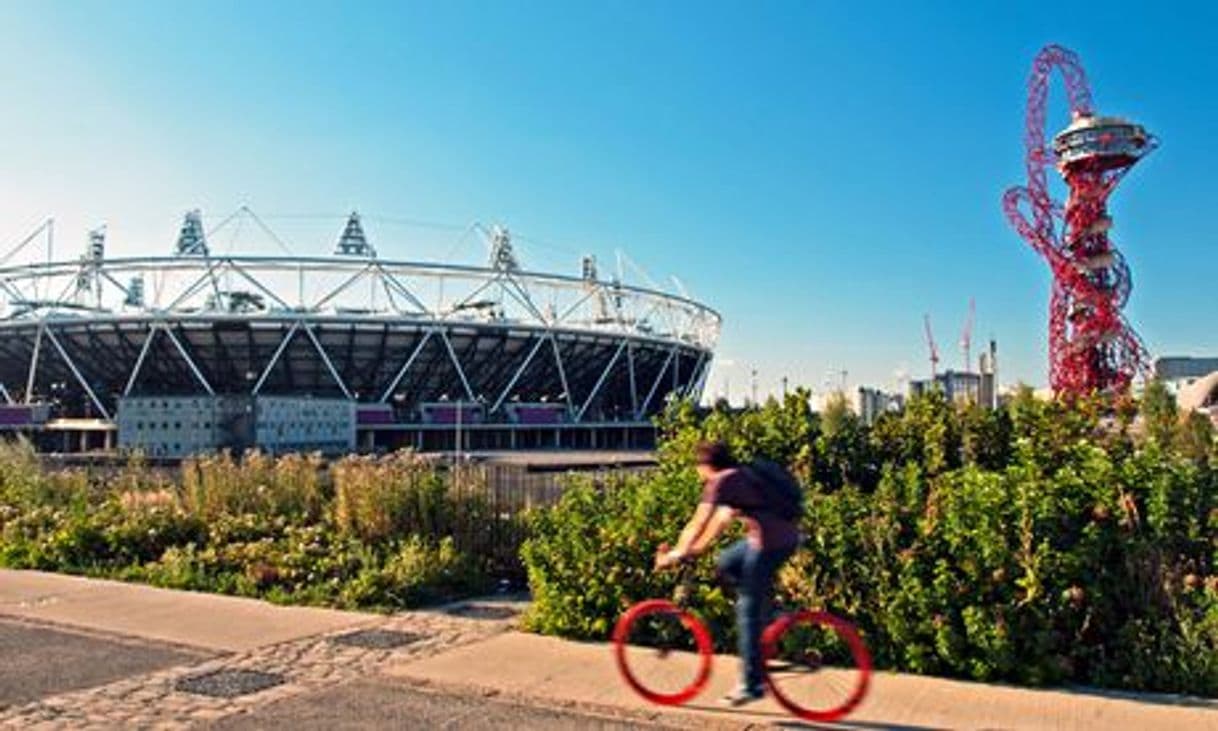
[732, 492]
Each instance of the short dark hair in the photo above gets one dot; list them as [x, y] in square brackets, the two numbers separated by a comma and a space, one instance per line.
[715, 454]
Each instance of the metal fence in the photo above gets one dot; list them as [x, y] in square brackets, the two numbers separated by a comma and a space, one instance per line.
[492, 524]
[484, 506]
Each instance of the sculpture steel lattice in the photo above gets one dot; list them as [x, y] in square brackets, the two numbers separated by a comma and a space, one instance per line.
[1092, 348]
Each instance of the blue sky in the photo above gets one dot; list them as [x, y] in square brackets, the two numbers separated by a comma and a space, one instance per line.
[821, 173]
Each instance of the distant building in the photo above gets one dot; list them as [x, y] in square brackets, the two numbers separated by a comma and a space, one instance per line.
[987, 396]
[1193, 381]
[1176, 371]
[1201, 394]
[980, 387]
[871, 402]
[955, 385]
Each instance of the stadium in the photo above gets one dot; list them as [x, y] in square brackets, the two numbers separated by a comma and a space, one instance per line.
[195, 350]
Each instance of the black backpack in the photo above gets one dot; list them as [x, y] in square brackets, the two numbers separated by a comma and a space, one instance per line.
[784, 496]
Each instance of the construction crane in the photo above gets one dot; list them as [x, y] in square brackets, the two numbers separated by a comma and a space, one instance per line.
[966, 335]
[934, 349]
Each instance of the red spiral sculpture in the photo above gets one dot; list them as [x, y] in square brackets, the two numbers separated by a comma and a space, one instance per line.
[1092, 348]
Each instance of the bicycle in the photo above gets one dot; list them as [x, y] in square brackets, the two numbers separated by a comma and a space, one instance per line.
[790, 644]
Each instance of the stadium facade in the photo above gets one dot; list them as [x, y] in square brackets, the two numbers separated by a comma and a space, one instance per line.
[190, 350]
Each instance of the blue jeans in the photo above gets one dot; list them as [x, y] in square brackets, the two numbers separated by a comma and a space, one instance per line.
[751, 572]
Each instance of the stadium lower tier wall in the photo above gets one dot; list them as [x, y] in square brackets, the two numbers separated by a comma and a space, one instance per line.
[179, 426]
[172, 427]
[494, 437]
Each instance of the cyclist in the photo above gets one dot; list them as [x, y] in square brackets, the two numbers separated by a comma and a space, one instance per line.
[732, 492]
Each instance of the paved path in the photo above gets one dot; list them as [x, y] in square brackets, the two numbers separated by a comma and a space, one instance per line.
[84, 654]
[309, 665]
[546, 670]
[37, 660]
[180, 617]
[385, 704]
[209, 634]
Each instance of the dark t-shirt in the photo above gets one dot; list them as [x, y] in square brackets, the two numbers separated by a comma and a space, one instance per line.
[737, 489]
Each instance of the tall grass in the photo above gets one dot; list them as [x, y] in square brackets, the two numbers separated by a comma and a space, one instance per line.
[403, 494]
[218, 484]
[363, 532]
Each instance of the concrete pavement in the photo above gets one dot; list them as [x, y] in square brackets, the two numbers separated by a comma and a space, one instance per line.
[87, 654]
[546, 670]
[106, 655]
[379, 703]
[38, 661]
[193, 619]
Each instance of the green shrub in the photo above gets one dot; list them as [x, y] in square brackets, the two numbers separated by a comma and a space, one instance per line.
[1039, 544]
[49, 539]
[589, 557]
[140, 526]
[416, 572]
[22, 481]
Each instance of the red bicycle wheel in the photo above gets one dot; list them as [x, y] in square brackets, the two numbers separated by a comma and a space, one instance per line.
[663, 652]
[816, 665]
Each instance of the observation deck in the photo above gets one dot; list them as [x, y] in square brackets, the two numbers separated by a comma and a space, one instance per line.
[1103, 143]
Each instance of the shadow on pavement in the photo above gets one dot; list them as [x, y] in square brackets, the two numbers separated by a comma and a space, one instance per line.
[855, 726]
[785, 720]
[1159, 699]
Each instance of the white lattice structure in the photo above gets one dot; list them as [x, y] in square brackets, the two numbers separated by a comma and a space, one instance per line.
[81, 334]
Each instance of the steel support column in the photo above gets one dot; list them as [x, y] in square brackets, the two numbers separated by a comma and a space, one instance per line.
[600, 382]
[189, 361]
[29, 383]
[457, 364]
[283, 345]
[325, 358]
[694, 376]
[659, 378]
[76, 372]
[562, 376]
[406, 366]
[698, 385]
[634, 390]
[139, 361]
[516, 377]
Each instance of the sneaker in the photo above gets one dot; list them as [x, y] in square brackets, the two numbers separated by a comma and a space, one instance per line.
[741, 695]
